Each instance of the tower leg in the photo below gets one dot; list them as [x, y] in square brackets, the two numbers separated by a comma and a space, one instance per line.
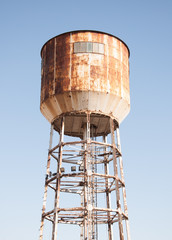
[101, 176]
[46, 186]
[123, 189]
[108, 194]
[85, 220]
[116, 180]
[57, 191]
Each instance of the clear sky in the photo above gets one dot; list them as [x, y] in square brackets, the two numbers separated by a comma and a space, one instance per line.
[146, 27]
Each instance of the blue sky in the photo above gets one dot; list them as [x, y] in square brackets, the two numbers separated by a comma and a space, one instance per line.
[145, 134]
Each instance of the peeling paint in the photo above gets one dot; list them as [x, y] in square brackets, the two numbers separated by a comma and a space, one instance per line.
[67, 73]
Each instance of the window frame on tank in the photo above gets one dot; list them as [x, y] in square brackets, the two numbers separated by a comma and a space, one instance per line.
[89, 47]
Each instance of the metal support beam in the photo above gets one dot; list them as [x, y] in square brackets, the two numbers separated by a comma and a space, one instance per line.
[116, 181]
[96, 173]
[85, 220]
[57, 192]
[123, 189]
[46, 185]
[108, 194]
[89, 176]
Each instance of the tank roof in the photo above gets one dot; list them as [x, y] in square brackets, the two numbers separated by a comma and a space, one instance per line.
[95, 31]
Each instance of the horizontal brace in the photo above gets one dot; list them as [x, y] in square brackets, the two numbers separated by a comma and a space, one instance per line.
[70, 222]
[76, 142]
[70, 191]
[71, 209]
[47, 213]
[105, 210]
[73, 175]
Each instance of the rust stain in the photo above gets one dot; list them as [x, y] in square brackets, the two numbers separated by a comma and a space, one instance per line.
[64, 71]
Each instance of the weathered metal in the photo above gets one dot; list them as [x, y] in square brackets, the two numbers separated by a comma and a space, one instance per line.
[89, 184]
[108, 194]
[46, 184]
[115, 166]
[85, 94]
[89, 79]
[123, 189]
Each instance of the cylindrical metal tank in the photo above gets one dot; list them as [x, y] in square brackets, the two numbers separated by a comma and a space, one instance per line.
[85, 71]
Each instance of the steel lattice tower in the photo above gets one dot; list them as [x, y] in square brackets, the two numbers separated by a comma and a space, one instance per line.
[85, 96]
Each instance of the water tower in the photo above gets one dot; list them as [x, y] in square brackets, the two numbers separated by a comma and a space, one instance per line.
[85, 96]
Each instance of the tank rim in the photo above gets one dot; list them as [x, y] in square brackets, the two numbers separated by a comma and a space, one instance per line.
[94, 31]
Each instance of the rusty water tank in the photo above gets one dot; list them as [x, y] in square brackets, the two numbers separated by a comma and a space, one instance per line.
[85, 71]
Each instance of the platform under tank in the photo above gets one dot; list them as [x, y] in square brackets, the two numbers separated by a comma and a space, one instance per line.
[85, 71]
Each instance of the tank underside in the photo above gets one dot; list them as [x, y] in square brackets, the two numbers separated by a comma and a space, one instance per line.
[73, 104]
[76, 121]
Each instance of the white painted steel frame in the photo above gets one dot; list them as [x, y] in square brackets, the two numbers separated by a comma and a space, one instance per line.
[87, 184]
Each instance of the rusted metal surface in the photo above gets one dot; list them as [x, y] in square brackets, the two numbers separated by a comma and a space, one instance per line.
[108, 194]
[86, 81]
[102, 175]
[46, 185]
[85, 94]
[115, 166]
[123, 189]
[57, 186]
